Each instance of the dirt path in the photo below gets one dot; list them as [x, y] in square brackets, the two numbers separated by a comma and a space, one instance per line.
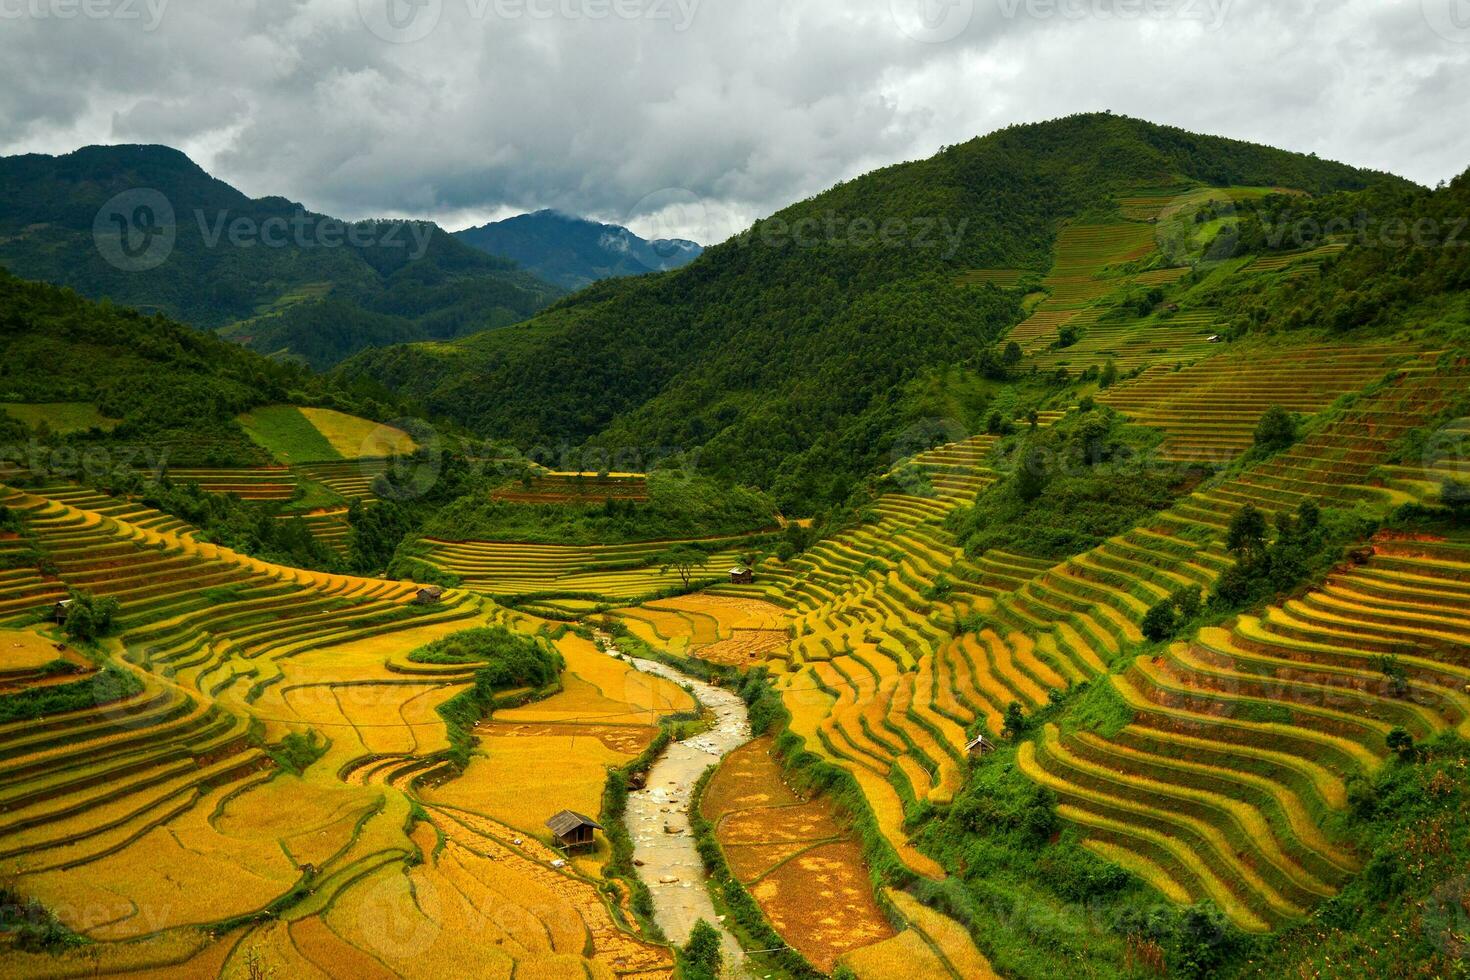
[658, 816]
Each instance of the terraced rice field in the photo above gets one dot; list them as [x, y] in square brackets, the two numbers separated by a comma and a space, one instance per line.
[869, 674]
[328, 525]
[729, 630]
[158, 810]
[617, 572]
[802, 867]
[880, 682]
[1210, 409]
[931, 945]
[587, 488]
[1082, 256]
[1244, 735]
[350, 479]
[257, 483]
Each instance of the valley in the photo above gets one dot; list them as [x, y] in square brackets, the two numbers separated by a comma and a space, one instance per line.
[1093, 600]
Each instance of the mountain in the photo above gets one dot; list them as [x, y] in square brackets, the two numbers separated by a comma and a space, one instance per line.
[148, 383]
[801, 355]
[146, 227]
[573, 252]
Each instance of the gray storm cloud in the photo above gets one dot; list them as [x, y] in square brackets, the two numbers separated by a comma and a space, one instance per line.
[689, 118]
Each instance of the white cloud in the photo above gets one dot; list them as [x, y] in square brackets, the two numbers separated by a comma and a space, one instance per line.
[754, 105]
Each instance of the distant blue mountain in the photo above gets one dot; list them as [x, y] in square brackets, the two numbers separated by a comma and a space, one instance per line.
[573, 252]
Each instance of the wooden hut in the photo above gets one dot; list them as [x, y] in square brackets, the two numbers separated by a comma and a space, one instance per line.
[979, 746]
[573, 830]
[740, 575]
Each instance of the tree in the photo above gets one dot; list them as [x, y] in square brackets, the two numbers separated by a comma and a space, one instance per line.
[1277, 430]
[1012, 355]
[1031, 478]
[89, 618]
[1188, 601]
[1247, 533]
[1015, 723]
[684, 559]
[1401, 742]
[1109, 376]
[1033, 418]
[1161, 621]
[1455, 495]
[703, 956]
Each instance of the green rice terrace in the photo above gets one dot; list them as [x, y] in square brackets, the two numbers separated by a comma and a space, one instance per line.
[1093, 601]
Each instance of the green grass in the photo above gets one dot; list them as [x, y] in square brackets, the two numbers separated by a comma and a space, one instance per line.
[63, 417]
[287, 435]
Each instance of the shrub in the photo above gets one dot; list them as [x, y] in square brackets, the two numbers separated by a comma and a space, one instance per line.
[1161, 621]
[702, 954]
[1276, 431]
[89, 618]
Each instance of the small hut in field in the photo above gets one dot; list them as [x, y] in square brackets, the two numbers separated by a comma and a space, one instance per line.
[740, 575]
[574, 830]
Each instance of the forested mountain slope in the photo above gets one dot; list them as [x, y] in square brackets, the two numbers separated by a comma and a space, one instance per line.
[793, 356]
[573, 252]
[275, 276]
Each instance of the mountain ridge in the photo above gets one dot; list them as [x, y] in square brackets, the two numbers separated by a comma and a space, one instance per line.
[788, 362]
[146, 226]
[573, 252]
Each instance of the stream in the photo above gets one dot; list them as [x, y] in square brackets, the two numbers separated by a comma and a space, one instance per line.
[658, 815]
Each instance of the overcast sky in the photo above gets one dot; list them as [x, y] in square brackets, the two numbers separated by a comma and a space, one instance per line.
[692, 117]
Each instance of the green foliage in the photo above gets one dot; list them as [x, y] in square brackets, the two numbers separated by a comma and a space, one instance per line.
[1168, 617]
[1305, 545]
[251, 528]
[31, 927]
[109, 685]
[684, 559]
[786, 358]
[703, 955]
[1075, 485]
[298, 750]
[512, 660]
[1276, 431]
[1408, 913]
[1246, 534]
[88, 618]
[1015, 724]
[176, 392]
[679, 506]
[308, 289]
[517, 662]
[375, 533]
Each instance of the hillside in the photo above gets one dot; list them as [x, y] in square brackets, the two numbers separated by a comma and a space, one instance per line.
[269, 273]
[115, 377]
[805, 354]
[573, 252]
